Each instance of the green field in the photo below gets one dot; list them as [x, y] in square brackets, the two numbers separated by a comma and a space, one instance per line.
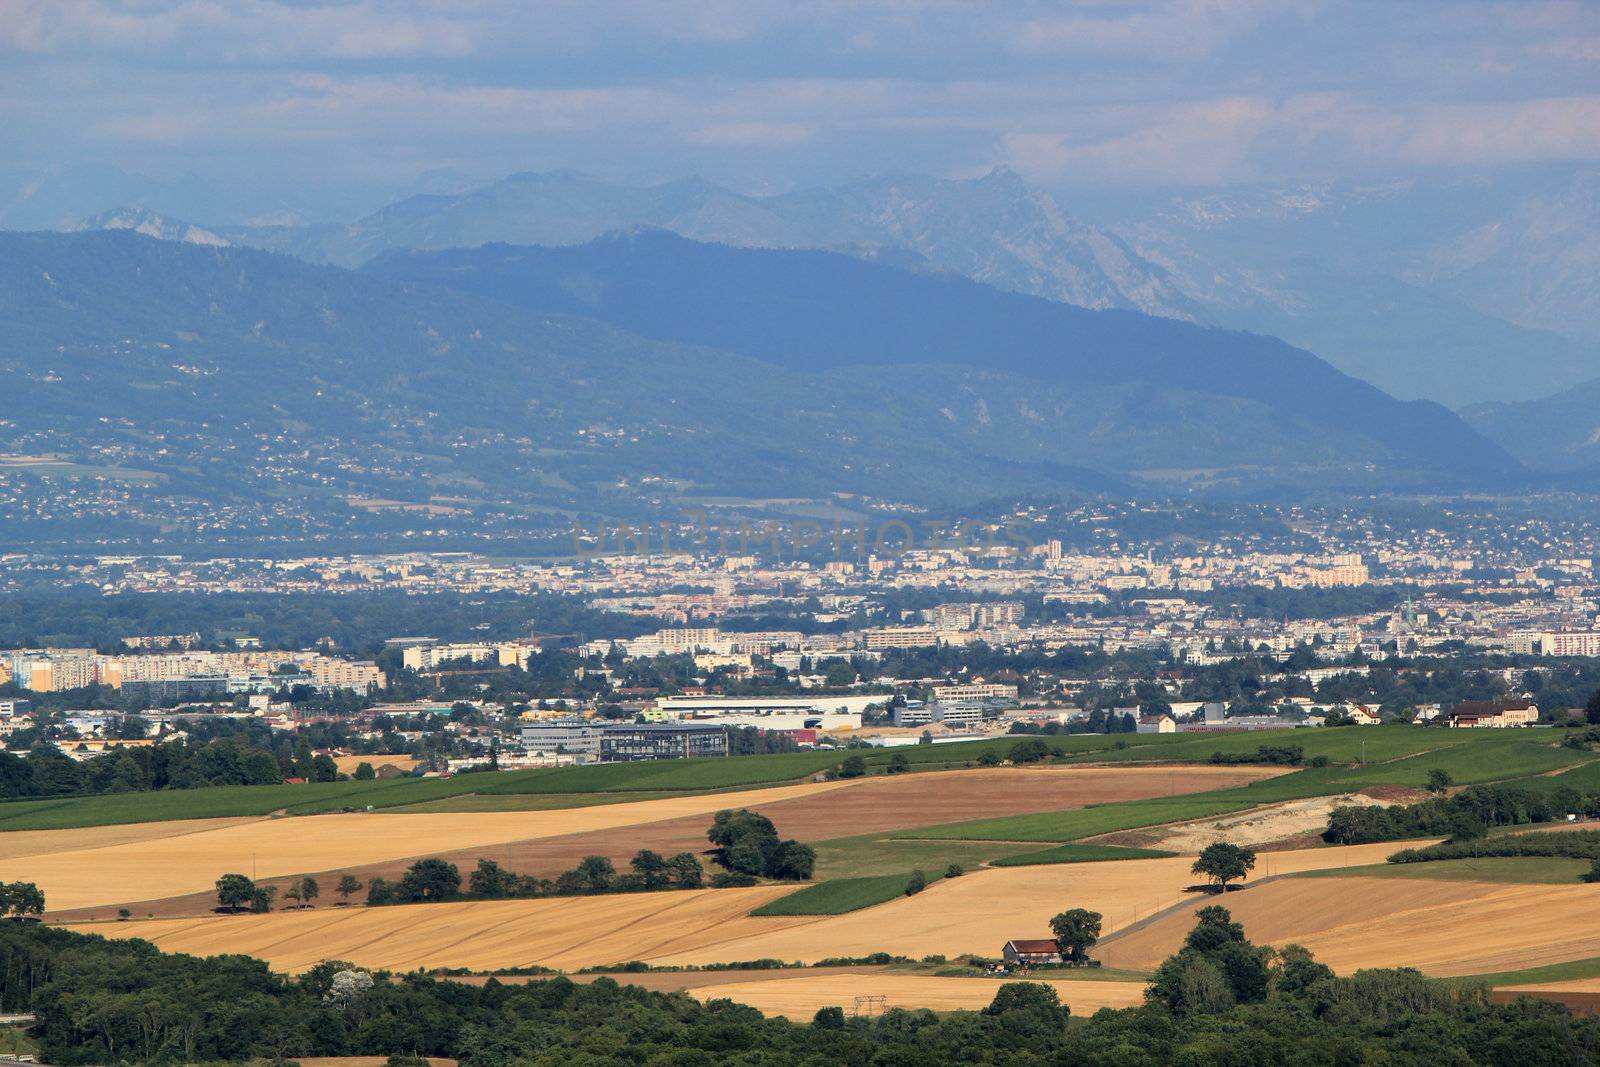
[1571, 970]
[1523, 870]
[1080, 854]
[839, 895]
[1468, 757]
[875, 854]
[1395, 755]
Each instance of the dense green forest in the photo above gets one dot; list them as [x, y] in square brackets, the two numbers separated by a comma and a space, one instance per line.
[1220, 1001]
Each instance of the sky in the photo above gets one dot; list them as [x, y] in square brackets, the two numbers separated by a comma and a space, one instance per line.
[767, 96]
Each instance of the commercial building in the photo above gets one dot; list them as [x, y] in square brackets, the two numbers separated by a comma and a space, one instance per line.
[769, 713]
[649, 741]
[975, 691]
[577, 736]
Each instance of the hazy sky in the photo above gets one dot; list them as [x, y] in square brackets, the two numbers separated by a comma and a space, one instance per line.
[768, 95]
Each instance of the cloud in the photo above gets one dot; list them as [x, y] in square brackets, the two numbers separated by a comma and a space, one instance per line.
[1168, 31]
[1247, 138]
[240, 29]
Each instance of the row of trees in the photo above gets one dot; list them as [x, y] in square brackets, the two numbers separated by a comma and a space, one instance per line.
[1466, 815]
[48, 772]
[437, 879]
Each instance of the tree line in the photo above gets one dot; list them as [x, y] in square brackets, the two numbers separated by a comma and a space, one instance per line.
[1468, 814]
[1221, 1000]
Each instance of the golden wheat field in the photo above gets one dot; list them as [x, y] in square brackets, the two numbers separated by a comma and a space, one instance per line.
[976, 913]
[18, 844]
[799, 998]
[1440, 927]
[562, 932]
[174, 864]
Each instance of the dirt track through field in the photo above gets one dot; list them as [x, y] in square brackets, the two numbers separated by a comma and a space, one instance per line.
[1443, 928]
[976, 913]
[798, 998]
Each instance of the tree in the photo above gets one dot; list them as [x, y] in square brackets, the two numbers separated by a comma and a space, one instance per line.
[324, 769]
[309, 890]
[1439, 780]
[1591, 710]
[791, 859]
[597, 873]
[429, 879]
[261, 898]
[1224, 862]
[1076, 932]
[828, 1019]
[23, 899]
[916, 883]
[955, 870]
[1030, 751]
[489, 879]
[349, 886]
[1027, 1003]
[852, 767]
[651, 869]
[686, 870]
[235, 892]
[293, 893]
[989, 759]
[364, 772]
[898, 763]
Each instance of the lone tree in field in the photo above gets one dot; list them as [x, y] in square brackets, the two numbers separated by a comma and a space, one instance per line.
[348, 887]
[1076, 932]
[235, 892]
[1439, 780]
[1224, 863]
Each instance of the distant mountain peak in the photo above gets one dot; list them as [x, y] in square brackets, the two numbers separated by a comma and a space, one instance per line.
[150, 224]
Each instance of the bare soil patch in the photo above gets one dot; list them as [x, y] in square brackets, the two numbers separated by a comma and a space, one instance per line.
[1296, 819]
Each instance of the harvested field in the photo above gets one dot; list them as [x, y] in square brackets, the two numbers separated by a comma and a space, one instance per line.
[1581, 995]
[980, 911]
[559, 839]
[976, 913]
[799, 998]
[567, 932]
[22, 843]
[348, 764]
[1441, 927]
[155, 868]
[675, 981]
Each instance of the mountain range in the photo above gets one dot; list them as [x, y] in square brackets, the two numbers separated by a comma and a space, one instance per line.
[1459, 292]
[647, 367]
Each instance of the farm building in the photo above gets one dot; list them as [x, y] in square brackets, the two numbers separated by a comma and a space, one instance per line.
[1025, 952]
